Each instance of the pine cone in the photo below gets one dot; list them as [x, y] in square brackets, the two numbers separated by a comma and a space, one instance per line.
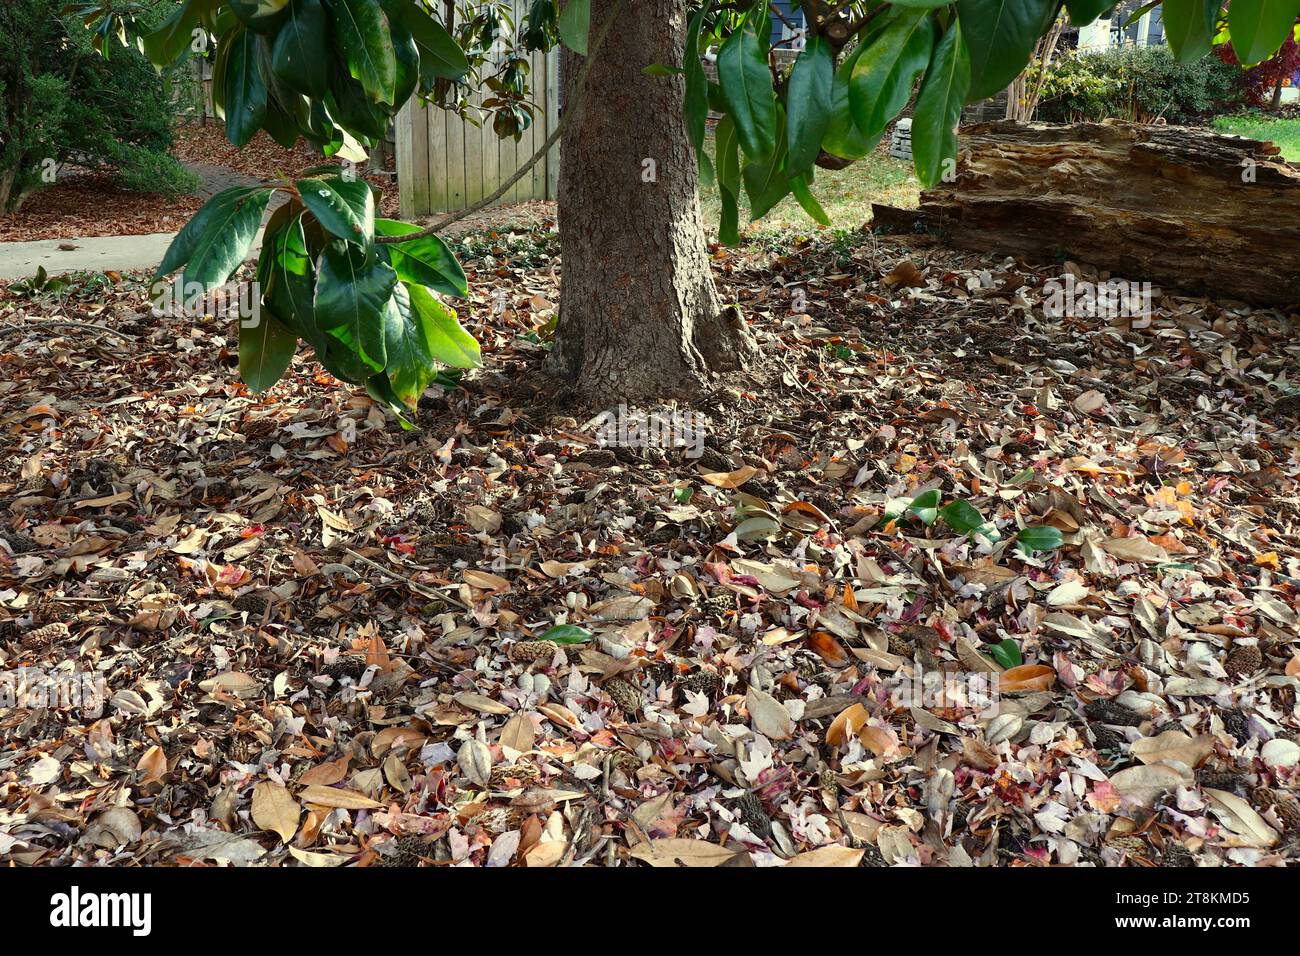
[1108, 739]
[1237, 723]
[1108, 712]
[351, 666]
[624, 693]
[49, 634]
[8, 630]
[626, 761]
[899, 647]
[701, 682]
[407, 851]
[496, 819]
[718, 603]
[754, 814]
[524, 772]
[1177, 855]
[527, 652]
[20, 543]
[1219, 780]
[1286, 805]
[252, 602]
[1132, 846]
[1244, 659]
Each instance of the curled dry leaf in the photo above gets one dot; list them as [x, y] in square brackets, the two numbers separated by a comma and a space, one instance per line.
[846, 724]
[1026, 677]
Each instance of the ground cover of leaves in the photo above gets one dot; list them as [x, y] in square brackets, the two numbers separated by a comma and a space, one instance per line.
[83, 203]
[320, 638]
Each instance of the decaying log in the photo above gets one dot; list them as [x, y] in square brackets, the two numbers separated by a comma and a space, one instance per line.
[1186, 208]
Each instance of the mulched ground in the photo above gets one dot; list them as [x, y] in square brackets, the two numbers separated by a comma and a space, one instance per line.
[85, 204]
[91, 205]
[324, 641]
[264, 158]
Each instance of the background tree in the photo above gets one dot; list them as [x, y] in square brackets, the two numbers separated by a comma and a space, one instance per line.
[639, 314]
[61, 102]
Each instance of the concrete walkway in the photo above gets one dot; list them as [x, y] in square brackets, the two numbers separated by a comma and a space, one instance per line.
[20, 260]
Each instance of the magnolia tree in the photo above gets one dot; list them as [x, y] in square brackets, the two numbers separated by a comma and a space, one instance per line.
[639, 315]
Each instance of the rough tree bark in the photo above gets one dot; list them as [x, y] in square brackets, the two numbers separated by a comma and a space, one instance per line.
[639, 315]
[1187, 208]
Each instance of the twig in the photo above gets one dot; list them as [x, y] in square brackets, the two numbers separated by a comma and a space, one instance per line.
[415, 586]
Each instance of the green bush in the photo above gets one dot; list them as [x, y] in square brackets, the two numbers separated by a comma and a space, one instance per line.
[62, 102]
[1140, 84]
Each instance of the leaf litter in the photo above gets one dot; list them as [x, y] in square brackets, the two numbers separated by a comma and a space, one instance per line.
[317, 640]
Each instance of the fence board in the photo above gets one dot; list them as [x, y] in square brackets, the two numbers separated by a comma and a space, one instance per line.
[446, 164]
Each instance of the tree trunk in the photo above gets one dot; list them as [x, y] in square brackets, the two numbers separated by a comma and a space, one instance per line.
[639, 315]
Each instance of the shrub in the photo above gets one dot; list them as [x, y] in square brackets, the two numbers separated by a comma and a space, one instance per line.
[1140, 84]
[61, 102]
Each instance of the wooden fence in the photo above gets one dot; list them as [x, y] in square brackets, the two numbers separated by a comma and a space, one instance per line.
[445, 163]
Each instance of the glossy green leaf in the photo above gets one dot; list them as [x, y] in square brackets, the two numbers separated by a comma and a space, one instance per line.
[362, 37]
[266, 348]
[301, 55]
[288, 276]
[1083, 12]
[426, 260]
[381, 390]
[766, 181]
[441, 57]
[843, 138]
[727, 153]
[961, 516]
[1006, 653]
[410, 365]
[926, 506]
[575, 25]
[214, 243]
[747, 85]
[1001, 36]
[886, 71]
[445, 339]
[807, 201]
[938, 107]
[351, 301]
[346, 209]
[244, 90]
[170, 41]
[567, 634]
[1189, 26]
[1039, 539]
[260, 16]
[1259, 27]
[810, 99]
[695, 109]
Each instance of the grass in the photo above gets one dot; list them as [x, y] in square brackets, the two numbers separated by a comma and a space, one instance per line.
[845, 194]
[1284, 132]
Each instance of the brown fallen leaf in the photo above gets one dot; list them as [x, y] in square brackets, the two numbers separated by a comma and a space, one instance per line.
[274, 809]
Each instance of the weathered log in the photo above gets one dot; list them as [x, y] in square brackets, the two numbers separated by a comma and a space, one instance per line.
[1188, 208]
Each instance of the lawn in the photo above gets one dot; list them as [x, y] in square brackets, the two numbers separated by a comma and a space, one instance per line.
[845, 194]
[1284, 132]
